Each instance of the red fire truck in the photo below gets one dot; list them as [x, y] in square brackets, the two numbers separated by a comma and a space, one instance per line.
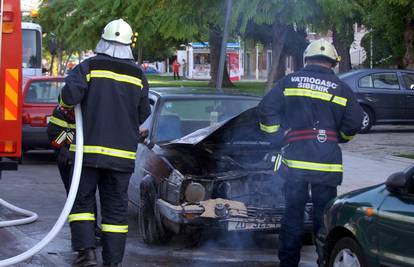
[10, 84]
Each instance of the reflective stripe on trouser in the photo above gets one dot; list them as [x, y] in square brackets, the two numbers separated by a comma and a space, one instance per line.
[113, 187]
[112, 228]
[75, 217]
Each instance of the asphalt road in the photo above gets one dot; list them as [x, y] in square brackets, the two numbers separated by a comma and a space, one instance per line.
[36, 186]
[384, 141]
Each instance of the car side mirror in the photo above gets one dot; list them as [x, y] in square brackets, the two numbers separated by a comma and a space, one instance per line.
[396, 183]
[401, 182]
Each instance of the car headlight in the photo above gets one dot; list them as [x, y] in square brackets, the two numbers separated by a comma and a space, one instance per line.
[195, 192]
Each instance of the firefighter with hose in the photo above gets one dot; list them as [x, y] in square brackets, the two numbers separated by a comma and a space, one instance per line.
[113, 93]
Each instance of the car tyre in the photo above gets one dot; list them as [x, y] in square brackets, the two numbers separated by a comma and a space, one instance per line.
[150, 225]
[367, 120]
[347, 252]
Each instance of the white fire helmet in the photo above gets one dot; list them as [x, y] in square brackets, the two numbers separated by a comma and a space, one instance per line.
[322, 48]
[118, 31]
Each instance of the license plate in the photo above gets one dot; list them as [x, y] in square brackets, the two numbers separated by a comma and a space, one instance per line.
[243, 225]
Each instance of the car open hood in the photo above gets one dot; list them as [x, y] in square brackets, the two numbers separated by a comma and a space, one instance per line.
[239, 129]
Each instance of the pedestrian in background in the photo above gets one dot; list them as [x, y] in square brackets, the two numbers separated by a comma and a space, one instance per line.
[176, 69]
[317, 110]
[113, 93]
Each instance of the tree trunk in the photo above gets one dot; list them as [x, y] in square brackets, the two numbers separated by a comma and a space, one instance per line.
[51, 65]
[408, 59]
[59, 61]
[342, 47]
[281, 67]
[278, 41]
[215, 39]
[140, 51]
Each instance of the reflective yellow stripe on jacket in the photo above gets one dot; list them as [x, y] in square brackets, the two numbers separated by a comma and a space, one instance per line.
[346, 137]
[106, 151]
[316, 95]
[313, 166]
[277, 162]
[61, 123]
[112, 228]
[269, 128]
[114, 76]
[81, 217]
[340, 100]
[64, 105]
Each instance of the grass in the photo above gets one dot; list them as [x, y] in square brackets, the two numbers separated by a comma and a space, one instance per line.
[254, 88]
[408, 156]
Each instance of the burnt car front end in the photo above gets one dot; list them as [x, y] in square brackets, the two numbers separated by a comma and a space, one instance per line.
[220, 177]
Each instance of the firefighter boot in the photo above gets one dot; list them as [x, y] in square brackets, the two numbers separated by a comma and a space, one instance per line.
[86, 258]
[113, 265]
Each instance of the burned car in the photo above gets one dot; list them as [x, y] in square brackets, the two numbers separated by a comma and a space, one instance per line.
[206, 165]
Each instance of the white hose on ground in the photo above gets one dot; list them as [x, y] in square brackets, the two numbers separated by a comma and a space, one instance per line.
[69, 201]
[32, 216]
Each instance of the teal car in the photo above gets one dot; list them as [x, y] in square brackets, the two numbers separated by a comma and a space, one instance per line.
[372, 226]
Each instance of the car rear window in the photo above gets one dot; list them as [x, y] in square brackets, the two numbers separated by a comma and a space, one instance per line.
[44, 91]
[380, 81]
[181, 117]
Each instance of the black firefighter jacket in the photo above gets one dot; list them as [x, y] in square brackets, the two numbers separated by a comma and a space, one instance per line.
[113, 94]
[311, 102]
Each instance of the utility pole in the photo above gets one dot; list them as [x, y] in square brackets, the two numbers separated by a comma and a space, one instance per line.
[371, 49]
[224, 46]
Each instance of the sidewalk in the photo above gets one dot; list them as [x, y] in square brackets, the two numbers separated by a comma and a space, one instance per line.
[362, 171]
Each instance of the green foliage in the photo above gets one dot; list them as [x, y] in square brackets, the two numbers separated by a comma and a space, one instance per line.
[268, 12]
[165, 24]
[384, 55]
[389, 19]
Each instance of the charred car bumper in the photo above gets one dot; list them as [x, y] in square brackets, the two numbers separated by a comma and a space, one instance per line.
[227, 214]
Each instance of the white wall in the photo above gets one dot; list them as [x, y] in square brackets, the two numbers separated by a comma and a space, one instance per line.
[181, 54]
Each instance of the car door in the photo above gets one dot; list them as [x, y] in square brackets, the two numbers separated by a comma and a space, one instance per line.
[396, 231]
[382, 91]
[139, 173]
[408, 84]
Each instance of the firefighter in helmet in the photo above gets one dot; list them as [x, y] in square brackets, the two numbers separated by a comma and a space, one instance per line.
[316, 111]
[113, 94]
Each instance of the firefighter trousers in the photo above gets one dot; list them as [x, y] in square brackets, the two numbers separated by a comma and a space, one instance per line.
[113, 193]
[292, 229]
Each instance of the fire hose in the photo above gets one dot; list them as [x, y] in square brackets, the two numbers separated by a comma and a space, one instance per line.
[66, 209]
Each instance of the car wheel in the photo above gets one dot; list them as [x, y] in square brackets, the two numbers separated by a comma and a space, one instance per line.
[347, 252]
[367, 120]
[150, 225]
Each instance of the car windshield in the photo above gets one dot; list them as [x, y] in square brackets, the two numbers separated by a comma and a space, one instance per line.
[181, 117]
[44, 91]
